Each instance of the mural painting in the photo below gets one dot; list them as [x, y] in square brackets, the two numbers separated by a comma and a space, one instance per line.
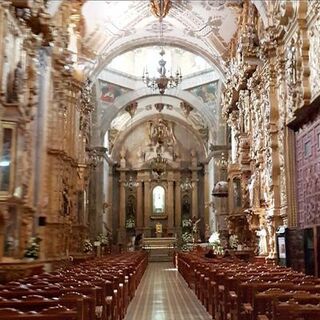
[109, 91]
[207, 92]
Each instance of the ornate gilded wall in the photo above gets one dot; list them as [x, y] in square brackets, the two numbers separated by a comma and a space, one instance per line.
[272, 78]
[45, 107]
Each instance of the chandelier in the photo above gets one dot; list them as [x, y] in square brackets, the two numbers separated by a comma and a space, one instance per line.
[130, 184]
[222, 163]
[158, 165]
[186, 185]
[162, 82]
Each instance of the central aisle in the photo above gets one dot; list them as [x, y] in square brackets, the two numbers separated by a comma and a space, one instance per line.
[164, 295]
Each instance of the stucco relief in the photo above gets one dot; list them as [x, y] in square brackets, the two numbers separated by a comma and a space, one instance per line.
[314, 58]
[293, 76]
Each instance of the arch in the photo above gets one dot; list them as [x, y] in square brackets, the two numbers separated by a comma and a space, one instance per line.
[136, 95]
[122, 136]
[142, 41]
[262, 10]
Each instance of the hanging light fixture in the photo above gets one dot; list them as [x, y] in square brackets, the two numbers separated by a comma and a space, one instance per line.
[186, 185]
[162, 82]
[222, 163]
[220, 189]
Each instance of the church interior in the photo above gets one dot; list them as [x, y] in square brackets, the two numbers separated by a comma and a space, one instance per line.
[160, 159]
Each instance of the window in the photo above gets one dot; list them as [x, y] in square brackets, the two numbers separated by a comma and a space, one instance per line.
[7, 158]
[158, 197]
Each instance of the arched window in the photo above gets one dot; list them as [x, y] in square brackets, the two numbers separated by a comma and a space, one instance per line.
[158, 197]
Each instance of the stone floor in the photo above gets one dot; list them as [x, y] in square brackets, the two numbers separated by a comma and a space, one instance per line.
[164, 295]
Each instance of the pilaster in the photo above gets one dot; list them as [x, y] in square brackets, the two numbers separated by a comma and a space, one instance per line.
[170, 204]
[195, 180]
[139, 203]
[178, 201]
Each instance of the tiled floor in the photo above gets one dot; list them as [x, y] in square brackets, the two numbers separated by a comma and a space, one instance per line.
[164, 295]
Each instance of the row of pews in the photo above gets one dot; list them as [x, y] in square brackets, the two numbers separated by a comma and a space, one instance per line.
[96, 289]
[237, 290]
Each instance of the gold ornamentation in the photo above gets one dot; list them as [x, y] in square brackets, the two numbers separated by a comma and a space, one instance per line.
[160, 8]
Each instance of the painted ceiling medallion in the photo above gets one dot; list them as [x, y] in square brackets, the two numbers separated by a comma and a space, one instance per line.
[160, 8]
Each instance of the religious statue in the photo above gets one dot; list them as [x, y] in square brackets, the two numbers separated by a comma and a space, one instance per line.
[194, 161]
[123, 161]
[140, 155]
[262, 234]
[251, 186]
[17, 82]
[195, 229]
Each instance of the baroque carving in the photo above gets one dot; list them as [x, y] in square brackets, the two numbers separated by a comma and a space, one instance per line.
[314, 58]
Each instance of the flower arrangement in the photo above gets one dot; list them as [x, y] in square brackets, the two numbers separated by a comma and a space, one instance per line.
[103, 239]
[233, 241]
[33, 248]
[215, 242]
[130, 222]
[87, 246]
[186, 235]
[186, 223]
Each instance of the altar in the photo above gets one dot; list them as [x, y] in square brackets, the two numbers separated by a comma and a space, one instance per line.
[160, 249]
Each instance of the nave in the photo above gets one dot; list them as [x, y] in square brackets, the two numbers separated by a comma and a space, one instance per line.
[164, 295]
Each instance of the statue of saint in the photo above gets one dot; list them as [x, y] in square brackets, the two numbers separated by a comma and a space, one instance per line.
[17, 82]
[251, 186]
[123, 162]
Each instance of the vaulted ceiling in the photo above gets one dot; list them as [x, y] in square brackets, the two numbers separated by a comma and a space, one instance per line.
[113, 27]
[115, 31]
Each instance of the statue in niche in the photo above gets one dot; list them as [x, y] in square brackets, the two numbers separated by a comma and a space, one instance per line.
[131, 210]
[17, 83]
[123, 162]
[237, 193]
[194, 161]
[251, 185]
[140, 155]
[66, 200]
[186, 207]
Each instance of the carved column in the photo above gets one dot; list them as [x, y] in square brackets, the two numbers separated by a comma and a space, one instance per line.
[178, 201]
[170, 206]
[139, 204]
[206, 194]
[195, 194]
[147, 203]
[291, 178]
[110, 200]
[122, 205]
[42, 114]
